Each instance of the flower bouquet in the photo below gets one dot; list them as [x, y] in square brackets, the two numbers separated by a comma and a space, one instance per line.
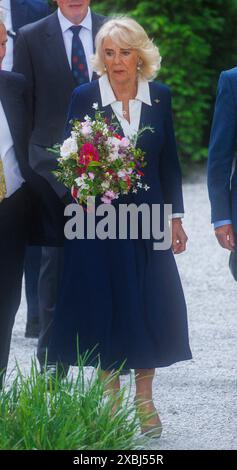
[96, 161]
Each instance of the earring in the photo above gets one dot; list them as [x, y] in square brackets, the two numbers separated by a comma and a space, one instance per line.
[139, 65]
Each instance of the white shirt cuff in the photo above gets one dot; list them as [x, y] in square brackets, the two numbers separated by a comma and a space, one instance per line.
[177, 216]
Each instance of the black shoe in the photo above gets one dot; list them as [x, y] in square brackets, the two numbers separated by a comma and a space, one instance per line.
[32, 328]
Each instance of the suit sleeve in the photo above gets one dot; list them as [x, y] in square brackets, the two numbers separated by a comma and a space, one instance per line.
[22, 64]
[221, 150]
[170, 172]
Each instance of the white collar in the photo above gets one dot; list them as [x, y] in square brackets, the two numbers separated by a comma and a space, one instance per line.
[5, 4]
[108, 96]
[66, 24]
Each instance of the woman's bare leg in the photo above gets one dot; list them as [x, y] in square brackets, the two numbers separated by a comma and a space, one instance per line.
[112, 387]
[149, 418]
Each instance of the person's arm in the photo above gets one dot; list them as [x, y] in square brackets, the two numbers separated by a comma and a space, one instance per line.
[171, 180]
[170, 172]
[221, 150]
[220, 161]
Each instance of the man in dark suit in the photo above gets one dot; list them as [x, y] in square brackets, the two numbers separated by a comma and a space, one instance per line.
[222, 173]
[19, 13]
[53, 54]
[19, 209]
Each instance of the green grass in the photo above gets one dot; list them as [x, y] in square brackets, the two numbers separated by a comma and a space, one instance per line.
[47, 414]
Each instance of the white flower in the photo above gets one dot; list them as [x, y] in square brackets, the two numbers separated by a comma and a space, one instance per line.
[113, 156]
[69, 146]
[146, 187]
[87, 118]
[138, 177]
[139, 185]
[95, 106]
[121, 173]
[105, 185]
[81, 183]
[134, 190]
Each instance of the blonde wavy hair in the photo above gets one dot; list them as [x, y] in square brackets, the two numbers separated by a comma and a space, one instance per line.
[126, 31]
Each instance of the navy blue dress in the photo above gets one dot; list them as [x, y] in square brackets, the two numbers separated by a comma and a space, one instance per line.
[120, 300]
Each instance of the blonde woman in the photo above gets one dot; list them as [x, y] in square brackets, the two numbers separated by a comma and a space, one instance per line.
[121, 295]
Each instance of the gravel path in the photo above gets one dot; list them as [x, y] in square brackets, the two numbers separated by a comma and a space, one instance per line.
[197, 398]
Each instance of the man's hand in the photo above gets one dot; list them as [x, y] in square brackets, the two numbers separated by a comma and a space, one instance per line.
[225, 236]
[179, 237]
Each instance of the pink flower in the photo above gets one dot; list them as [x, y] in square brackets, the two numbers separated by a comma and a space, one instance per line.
[106, 200]
[110, 194]
[88, 153]
[108, 197]
[91, 175]
[124, 142]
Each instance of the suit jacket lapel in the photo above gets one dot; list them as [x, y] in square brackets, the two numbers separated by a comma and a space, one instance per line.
[149, 117]
[56, 49]
[113, 119]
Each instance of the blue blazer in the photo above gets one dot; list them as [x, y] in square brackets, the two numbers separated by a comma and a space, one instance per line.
[222, 183]
[47, 210]
[162, 172]
[27, 11]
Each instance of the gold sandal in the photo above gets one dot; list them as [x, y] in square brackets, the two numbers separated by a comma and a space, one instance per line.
[150, 422]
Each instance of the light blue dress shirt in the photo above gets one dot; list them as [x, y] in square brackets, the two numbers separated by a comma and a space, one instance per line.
[219, 223]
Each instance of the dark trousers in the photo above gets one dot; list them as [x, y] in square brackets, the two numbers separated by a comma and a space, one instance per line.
[32, 269]
[14, 216]
[49, 285]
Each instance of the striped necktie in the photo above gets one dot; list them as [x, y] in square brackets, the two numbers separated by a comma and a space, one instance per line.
[3, 188]
[79, 64]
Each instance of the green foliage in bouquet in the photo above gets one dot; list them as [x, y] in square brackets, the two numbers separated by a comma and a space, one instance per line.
[97, 161]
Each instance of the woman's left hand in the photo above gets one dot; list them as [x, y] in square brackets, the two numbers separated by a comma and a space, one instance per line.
[179, 237]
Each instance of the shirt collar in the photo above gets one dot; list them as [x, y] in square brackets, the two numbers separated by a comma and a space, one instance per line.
[66, 24]
[108, 96]
[5, 4]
